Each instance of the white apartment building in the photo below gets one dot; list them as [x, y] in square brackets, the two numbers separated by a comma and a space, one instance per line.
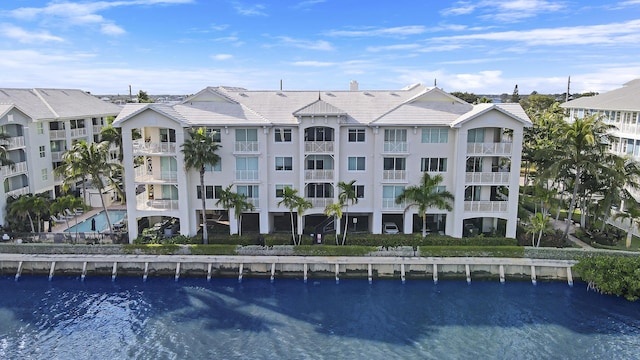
[619, 107]
[311, 140]
[42, 124]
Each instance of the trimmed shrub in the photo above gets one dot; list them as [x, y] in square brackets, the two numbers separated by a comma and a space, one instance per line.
[472, 251]
[332, 250]
[612, 275]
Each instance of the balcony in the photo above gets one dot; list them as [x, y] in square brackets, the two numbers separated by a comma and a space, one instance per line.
[145, 204]
[14, 142]
[246, 147]
[492, 149]
[486, 206]
[57, 134]
[79, 132]
[395, 147]
[318, 147]
[390, 204]
[628, 129]
[148, 177]
[320, 202]
[254, 201]
[56, 156]
[18, 192]
[140, 147]
[394, 175]
[243, 175]
[312, 175]
[96, 129]
[15, 169]
[488, 178]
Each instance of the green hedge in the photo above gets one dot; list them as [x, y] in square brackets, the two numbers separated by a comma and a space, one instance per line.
[431, 240]
[214, 249]
[614, 275]
[333, 250]
[475, 251]
[151, 249]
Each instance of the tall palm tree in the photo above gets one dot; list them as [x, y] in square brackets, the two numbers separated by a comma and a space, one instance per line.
[540, 223]
[67, 202]
[292, 201]
[335, 210]
[21, 208]
[632, 213]
[426, 195]
[238, 202]
[199, 151]
[4, 160]
[582, 140]
[347, 195]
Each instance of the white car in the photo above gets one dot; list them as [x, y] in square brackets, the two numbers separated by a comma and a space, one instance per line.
[390, 228]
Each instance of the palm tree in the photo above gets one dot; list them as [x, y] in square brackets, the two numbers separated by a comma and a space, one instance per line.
[199, 151]
[335, 210]
[347, 195]
[539, 225]
[21, 208]
[426, 195]
[229, 199]
[292, 201]
[632, 212]
[67, 202]
[4, 161]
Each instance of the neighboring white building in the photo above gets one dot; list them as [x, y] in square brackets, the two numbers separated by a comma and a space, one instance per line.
[311, 140]
[619, 107]
[42, 124]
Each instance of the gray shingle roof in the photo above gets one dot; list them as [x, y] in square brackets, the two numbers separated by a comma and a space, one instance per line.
[626, 98]
[57, 103]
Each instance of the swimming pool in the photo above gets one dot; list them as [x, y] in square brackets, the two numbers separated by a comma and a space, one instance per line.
[101, 221]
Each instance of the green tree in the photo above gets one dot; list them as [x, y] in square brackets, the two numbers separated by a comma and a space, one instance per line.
[468, 97]
[21, 208]
[346, 196]
[238, 202]
[199, 151]
[631, 213]
[62, 203]
[515, 97]
[539, 224]
[292, 201]
[335, 210]
[143, 97]
[426, 195]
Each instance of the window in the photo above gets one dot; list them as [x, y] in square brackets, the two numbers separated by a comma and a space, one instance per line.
[475, 136]
[474, 164]
[40, 128]
[250, 191]
[438, 189]
[318, 134]
[284, 163]
[356, 135]
[210, 192]
[247, 168]
[280, 189]
[472, 193]
[45, 174]
[433, 164]
[319, 162]
[320, 190]
[216, 134]
[246, 134]
[394, 164]
[389, 195]
[395, 135]
[435, 135]
[359, 190]
[217, 167]
[282, 135]
[356, 163]
[42, 151]
[167, 135]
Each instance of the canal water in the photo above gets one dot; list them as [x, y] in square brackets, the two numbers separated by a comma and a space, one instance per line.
[98, 318]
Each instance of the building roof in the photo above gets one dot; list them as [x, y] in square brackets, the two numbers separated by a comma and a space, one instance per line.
[415, 105]
[626, 98]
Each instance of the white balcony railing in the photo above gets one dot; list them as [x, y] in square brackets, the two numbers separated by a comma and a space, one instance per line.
[318, 174]
[96, 129]
[18, 192]
[488, 178]
[56, 156]
[143, 203]
[489, 148]
[247, 175]
[320, 202]
[78, 132]
[14, 142]
[318, 146]
[396, 147]
[247, 146]
[628, 129]
[388, 203]
[486, 206]
[142, 147]
[57, 134]
[15, 169]
[142, 175]
[254, 201]
[394, 174]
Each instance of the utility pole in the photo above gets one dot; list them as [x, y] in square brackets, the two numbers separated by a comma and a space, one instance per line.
[568, 86]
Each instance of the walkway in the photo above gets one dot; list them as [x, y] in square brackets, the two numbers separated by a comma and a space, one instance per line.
[561, 225]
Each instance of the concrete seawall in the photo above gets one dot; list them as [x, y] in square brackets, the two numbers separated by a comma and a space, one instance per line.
[288, 266]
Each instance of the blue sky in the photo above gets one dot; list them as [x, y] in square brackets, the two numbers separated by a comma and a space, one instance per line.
[182, 46]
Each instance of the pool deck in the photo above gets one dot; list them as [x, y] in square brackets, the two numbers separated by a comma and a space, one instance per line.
[61, 227]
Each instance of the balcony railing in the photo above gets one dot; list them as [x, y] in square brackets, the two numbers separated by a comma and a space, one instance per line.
[486, 206]
[489, 148]
[247, 147]
[78, 132]
[318, 174]
[18, 192]
[96, 129]
[320, 202]
[15, 169]
[142, 147]
[143, 203]
[391, 204]
[630, 129]
[318, 146]
[487, 178]
[254, 201]
[56, 156]
[394, 174]
[142, 175]
[14, 142]
[57, 134]
[396, 147]
[247, 175]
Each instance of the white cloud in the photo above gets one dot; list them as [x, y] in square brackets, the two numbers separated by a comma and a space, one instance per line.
[111, 29]
[504, 11]
[320, 45]
[222, 57]
[391, 32]
[24, 36]
[313, 63]
[254, 10]
[397, 47]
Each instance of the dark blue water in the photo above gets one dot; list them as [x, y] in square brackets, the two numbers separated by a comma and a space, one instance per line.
[194, 319]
